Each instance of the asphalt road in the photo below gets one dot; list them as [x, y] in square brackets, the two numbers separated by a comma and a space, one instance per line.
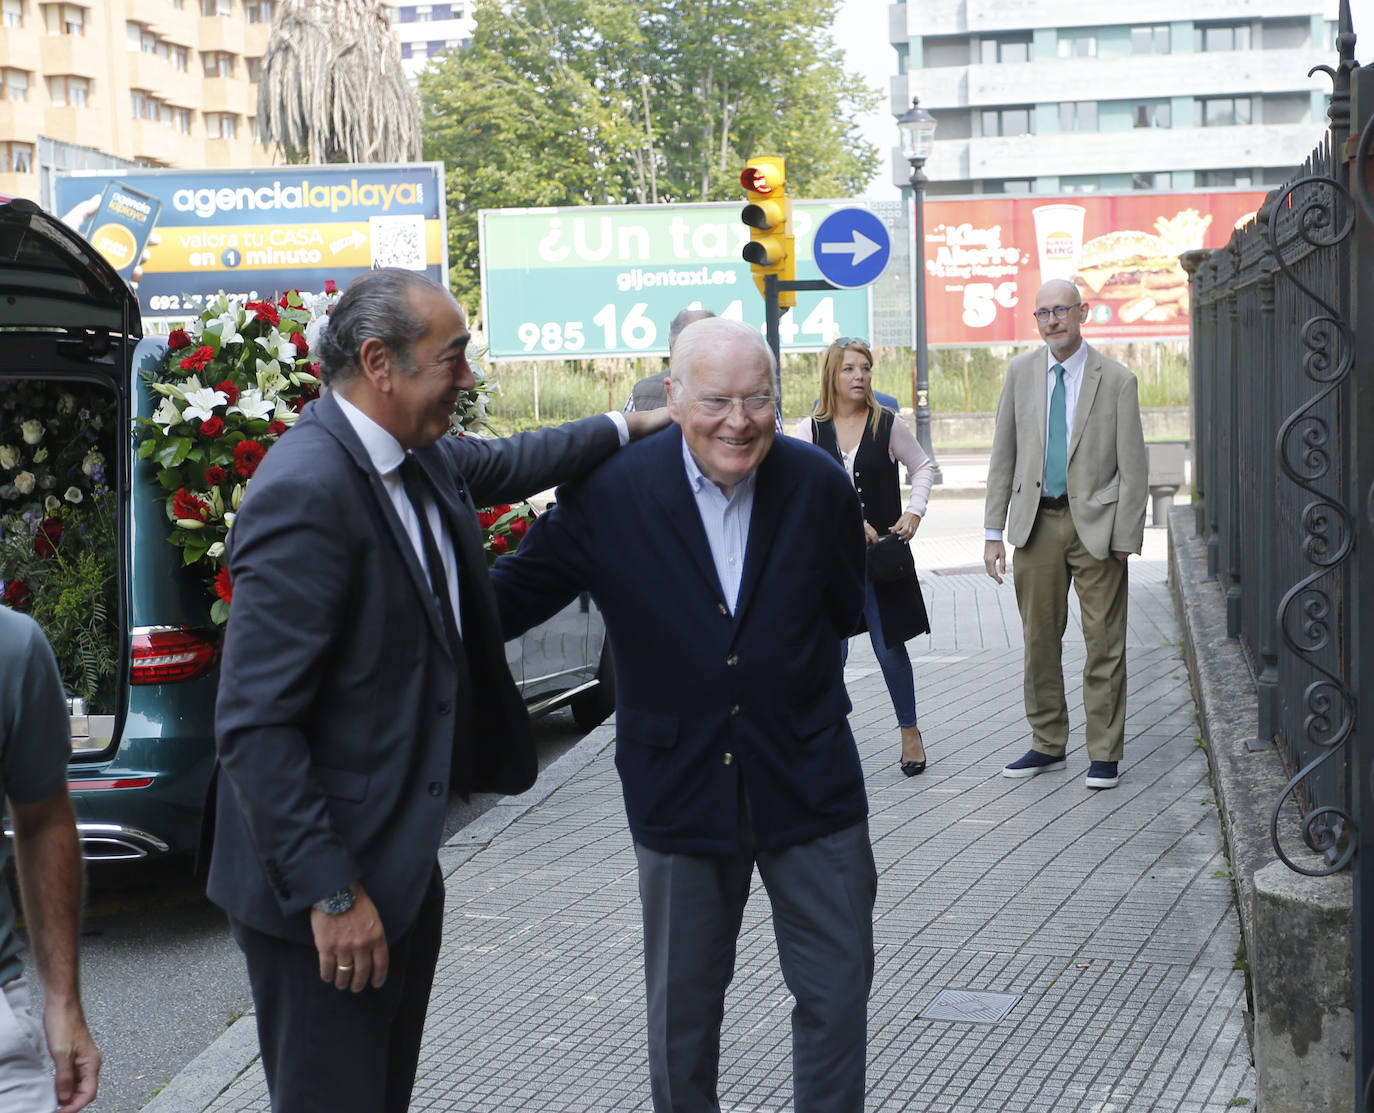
[161, 976]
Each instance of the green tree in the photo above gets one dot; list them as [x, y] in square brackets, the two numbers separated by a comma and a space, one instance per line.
[584, 102]
[332, 88]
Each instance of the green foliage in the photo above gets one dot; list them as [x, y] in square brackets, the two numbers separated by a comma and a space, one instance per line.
[584, 102]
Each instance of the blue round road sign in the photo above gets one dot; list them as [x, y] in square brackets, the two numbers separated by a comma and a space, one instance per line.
[851, 248]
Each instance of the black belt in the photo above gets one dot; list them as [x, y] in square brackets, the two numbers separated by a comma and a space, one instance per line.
[1059, 502]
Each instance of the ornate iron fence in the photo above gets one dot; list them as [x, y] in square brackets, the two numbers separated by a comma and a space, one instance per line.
[1283, 392]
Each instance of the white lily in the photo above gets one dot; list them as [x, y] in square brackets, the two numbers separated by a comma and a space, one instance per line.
[285, 414]
[252, 404]
[167, 413]
[201, 403]
[278, 346]
[52, 504]
[271, 378]
[227, 327]
[215, 551]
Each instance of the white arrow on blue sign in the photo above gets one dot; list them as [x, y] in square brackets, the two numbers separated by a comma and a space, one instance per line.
[851, 248]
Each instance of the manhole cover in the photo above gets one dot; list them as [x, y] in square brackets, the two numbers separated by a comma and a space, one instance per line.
[970, 1006]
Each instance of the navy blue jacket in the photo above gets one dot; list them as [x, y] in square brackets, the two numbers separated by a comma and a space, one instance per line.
[707, 701]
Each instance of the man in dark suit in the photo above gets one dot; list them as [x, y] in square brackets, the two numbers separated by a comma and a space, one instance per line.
[1067, 478]
[729, 566]
[363, 675]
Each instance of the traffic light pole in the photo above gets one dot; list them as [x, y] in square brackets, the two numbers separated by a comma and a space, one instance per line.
[772, 287]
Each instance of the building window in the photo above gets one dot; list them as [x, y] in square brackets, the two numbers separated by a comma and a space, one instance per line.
[1214, 178]
[64, 19]
[1212, 37]
[1007, 121]
[138, 101]
[217, 63]
[15, 85]
[181, 120]
[1003, 48]
[1150, 39]
[181, 58]
[221, 125]
[1080, 185]
[215, 7]
[1078, 115]
[419, 50]
[12, 13]
[424, 13]
[1221, 112]
[1161, 180]
[71, 92]
[16, 158]
[259, 12]
[1007, 185]
[1152, 114]
[254, 67]
[1077, 44]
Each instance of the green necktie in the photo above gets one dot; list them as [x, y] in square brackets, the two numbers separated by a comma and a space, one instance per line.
[1057, 448]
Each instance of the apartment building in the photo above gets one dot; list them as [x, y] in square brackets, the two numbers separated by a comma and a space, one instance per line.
[1149, 95]
[427, 30]
[149, 82]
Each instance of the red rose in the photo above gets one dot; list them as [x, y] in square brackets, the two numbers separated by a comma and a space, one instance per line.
[501, 509]
[212, 426]
[187, 505]
[265, 311]
[229, 390]
[302, 348]
[282, 301]
[247, 456]
[46, 539]
[485, 518]
[17, 594]
[197, 360]
[498, 544]
[177, 339]
[519, 527]
[223, 587]
[276, 428]
[297, 403]
[330, 287]
[215, 475]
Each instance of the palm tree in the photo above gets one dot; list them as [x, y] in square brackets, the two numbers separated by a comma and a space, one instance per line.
[332, 88]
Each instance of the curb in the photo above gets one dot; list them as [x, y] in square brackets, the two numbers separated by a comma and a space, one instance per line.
[197, 1085]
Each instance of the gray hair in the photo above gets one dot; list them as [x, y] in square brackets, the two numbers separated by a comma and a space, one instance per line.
[684, 318]
[375, 306]
[700, 338]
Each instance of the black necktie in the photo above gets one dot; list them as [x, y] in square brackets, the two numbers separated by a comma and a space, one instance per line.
[416, 484]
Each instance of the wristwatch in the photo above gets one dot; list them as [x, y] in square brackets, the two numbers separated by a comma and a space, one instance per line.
[336, 904]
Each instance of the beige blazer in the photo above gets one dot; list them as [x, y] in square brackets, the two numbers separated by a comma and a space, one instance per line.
[1107, 468]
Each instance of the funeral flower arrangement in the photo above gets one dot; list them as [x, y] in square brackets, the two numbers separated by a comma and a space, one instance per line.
[57, 532]
[232, 382]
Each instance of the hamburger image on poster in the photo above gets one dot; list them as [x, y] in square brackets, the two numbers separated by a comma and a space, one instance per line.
[1137, 270]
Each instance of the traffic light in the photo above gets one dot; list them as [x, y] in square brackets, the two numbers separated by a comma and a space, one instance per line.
[769, 216]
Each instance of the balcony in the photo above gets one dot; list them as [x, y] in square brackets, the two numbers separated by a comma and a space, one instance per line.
[179, 26]
[73, 55]
[155, 75]
[19, 48]
[84, 126]
[21, 120]
[220, 33]
[963, 17]
[228, 94]
[20, 185]
[255, 37]
[157, 142]
[1140, 150]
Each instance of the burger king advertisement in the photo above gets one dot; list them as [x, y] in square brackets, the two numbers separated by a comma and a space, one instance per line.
[985, 259]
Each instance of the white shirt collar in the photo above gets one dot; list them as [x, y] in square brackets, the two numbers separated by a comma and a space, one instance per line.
[382, 448]
[1073, 366]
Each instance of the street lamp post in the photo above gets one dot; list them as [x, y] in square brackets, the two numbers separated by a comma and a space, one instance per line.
[917, 127]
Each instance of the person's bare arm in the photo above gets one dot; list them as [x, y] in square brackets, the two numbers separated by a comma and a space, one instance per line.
[48, 857]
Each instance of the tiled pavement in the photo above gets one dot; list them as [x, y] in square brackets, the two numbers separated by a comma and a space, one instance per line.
[1110, 914]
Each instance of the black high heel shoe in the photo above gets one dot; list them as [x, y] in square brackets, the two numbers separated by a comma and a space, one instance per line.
[914, 768]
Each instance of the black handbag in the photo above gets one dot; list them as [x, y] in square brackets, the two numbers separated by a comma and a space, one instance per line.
[889, 559]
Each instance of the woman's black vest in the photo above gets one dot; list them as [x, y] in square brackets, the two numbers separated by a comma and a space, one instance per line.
[875, 475]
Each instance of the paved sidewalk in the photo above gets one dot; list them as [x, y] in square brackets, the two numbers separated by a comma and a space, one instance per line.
[1107, 915]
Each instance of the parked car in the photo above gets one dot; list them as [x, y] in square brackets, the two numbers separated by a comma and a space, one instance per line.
[143, 747]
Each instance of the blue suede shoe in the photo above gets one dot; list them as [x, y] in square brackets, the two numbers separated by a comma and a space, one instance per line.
[1102, 774]
[1033, 763]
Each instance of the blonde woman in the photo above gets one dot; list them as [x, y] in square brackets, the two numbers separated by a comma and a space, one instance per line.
[869, 441]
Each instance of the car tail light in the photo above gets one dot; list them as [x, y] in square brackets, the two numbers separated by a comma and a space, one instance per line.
[167, 654]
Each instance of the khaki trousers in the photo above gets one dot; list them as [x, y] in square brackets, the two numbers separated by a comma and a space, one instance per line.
[1042, 569]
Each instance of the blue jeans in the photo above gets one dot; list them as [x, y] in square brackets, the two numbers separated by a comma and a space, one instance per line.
[894, 662]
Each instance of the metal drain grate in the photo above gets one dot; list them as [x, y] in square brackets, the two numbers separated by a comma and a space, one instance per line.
[970, 1006]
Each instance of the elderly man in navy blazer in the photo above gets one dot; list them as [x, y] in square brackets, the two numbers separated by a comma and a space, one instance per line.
[729, 567]
[363, 675]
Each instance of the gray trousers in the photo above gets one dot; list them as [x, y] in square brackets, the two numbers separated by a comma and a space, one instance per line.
[822, 894]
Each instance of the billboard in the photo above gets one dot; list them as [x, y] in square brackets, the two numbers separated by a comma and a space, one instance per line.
[261, 231]
[986, 258]
[574, 282]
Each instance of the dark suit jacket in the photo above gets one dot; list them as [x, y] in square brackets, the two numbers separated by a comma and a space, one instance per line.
[706, 700]
[338, 692]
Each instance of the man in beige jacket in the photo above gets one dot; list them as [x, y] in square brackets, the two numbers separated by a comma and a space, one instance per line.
[1067, 478]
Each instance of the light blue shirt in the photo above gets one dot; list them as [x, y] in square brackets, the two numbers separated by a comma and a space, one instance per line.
[726, 521]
